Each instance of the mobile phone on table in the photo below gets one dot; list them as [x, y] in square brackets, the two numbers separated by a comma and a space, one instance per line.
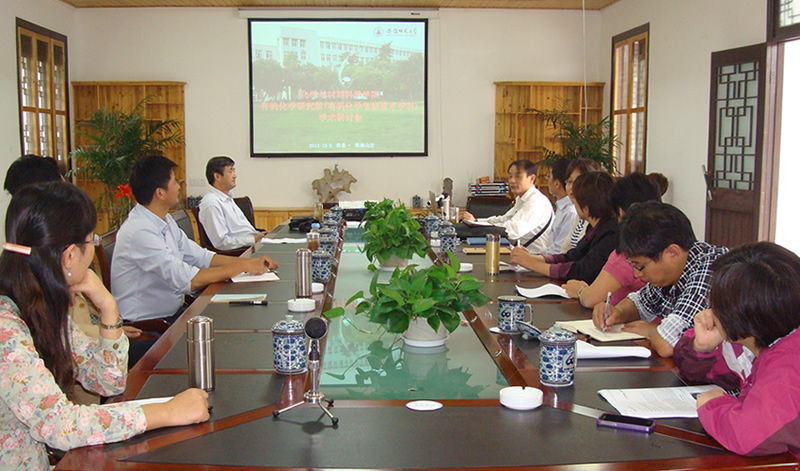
[626, 422]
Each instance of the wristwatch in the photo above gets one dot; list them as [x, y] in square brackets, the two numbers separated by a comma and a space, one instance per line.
[115, 326]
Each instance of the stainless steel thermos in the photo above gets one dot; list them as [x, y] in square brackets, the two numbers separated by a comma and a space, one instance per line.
[200, 349]
[303, 274]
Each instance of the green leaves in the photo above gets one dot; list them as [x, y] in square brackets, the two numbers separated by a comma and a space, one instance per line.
[592, 140]
[118, 140]
[391, 231]
[437, 293]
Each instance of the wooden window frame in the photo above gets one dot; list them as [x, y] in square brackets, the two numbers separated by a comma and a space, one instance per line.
[618, 41]
[776, 33]
[37, 33]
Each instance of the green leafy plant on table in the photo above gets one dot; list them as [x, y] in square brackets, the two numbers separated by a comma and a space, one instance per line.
[392, 231]
[376, 210]
[117, 141]
[591, 140]
[437, 294]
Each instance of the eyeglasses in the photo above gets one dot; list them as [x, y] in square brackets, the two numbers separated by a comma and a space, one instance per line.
[638, 268]
[96, 240]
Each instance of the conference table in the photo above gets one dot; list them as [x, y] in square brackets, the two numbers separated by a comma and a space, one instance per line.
[371, 376]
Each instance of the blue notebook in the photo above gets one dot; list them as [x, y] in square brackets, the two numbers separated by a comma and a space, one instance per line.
[480, 241]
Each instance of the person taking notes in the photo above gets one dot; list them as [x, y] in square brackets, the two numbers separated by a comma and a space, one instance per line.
[659, 243]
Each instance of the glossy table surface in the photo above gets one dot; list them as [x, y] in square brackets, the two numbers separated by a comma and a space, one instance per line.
[371, 375]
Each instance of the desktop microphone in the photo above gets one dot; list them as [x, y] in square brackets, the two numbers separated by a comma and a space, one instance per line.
[316, 328]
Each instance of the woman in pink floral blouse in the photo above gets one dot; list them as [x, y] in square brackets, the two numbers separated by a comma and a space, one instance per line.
[44, 264]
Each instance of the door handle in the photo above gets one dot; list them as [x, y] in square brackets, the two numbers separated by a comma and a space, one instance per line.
[707, 179]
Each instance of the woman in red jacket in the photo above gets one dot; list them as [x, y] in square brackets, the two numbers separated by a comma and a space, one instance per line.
[754, 302]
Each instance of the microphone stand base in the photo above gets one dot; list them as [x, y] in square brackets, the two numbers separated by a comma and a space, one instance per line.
[312, 398]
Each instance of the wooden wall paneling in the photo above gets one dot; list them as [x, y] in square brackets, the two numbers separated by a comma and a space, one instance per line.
[520, 134]
[166, 102]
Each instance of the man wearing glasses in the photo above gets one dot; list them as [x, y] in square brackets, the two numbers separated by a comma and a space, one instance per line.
[659, 243]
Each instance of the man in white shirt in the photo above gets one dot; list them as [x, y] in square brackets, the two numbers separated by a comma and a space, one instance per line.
[528, 221]
[154, 264]
[566, 215]
[224, 222]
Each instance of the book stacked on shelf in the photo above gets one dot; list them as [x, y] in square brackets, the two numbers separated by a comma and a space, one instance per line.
[488, 189]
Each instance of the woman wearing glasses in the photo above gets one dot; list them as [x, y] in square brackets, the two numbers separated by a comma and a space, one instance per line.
[43, 267]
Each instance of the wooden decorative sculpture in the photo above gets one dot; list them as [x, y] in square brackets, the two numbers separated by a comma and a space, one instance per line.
[329, 186]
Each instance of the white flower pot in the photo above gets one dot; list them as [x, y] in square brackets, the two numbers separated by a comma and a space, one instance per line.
[420, 334]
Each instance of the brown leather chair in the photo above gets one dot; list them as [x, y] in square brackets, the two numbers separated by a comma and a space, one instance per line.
[205, 242]
[103, 255]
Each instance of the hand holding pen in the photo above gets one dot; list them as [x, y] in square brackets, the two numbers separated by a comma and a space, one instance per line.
[605, 314]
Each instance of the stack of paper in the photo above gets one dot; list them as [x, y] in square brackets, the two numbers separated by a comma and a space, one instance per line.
[545, 290]
[587, 327]
[230, 298]
[587, 351]
[247, 277]
[656, 403]
[285, 240]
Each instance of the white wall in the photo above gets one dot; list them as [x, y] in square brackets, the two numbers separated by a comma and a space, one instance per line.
[50, 14]
[207, 48]
[683, 34]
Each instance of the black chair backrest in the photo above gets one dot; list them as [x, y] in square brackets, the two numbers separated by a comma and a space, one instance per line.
[244, 203]
[183, 221]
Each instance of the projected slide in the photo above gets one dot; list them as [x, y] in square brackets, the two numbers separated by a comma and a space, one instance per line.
[338, 87]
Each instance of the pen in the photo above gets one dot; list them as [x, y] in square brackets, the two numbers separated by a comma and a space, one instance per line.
[605, 315]
[249, 303]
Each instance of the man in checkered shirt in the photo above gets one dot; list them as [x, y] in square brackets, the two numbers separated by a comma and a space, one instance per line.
[659, 244]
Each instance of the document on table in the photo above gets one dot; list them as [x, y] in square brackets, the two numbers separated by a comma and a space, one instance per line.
[587, 351]
[247, 277]
[511, 267]
[478, 223]
[482, 250]
[284, 240]
[587, 327]
[243, 297]
[656, 403]
[549, 289]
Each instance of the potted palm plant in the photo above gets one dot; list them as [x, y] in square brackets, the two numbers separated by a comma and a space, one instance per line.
[392, 235]
[117, 140]
[423, 304]
[591, 140]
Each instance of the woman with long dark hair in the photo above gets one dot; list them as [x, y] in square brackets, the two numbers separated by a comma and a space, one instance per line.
[43, 266]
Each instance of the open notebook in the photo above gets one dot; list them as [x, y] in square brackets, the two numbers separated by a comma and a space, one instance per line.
[587, 327]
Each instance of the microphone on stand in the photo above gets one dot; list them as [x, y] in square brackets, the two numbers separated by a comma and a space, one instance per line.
[316, 328]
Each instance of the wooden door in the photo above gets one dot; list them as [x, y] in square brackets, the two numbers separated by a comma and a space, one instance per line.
[736, 145]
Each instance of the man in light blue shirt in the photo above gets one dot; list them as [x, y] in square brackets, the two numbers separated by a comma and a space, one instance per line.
[154, 264]
[225, 224]
[565, 211]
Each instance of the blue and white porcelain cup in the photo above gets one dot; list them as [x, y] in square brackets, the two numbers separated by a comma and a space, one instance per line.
[557, 357]
[321, 266]
[431, 224]
[289, 346]
[510, 310]
[327, 243]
